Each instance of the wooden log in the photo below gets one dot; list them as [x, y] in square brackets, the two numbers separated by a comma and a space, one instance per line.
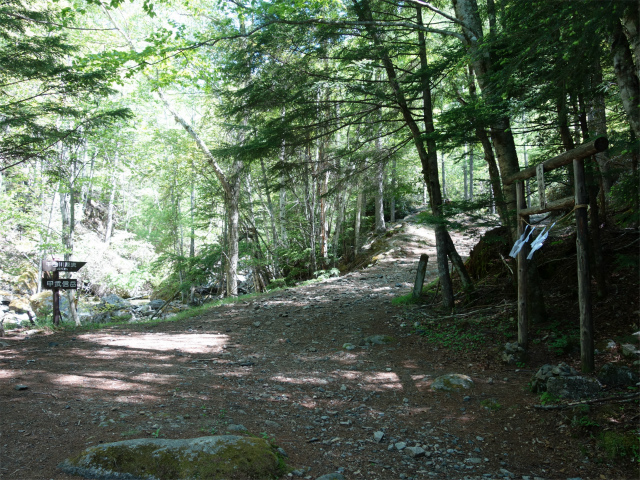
[562, 204]
[578, 153]
[584, 279]
[523, 321]
[541, 192]
[422, 271]
[56, 301]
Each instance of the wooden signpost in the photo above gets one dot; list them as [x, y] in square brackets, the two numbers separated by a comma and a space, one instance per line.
[51, 281]
[579, 202]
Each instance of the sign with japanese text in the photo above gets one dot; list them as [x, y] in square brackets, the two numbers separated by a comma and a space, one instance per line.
[62, 284]
[61, 266]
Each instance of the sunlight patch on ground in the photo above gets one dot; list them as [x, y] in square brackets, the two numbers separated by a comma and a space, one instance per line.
[188, 343]
[300, 380]
[382, 381]
[97, 382]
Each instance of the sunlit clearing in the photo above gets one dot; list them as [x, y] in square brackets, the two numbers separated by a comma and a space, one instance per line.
[300, 380]
[382, 381]
[98, 383]
[188, 343]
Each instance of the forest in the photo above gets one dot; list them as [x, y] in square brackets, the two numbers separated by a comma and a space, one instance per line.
[197, 152]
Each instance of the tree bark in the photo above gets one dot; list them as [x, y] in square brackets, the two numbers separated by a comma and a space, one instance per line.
[112, 198]
[597, 124]
[394, 184]
[379, 197]
[627, 77]
[464, 172]
[468, 14]
[272, 219]
[358, 219]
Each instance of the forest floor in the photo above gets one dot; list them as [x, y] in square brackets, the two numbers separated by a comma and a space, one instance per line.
[276, 366]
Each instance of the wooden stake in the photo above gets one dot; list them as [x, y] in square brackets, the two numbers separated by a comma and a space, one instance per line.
[56, 300]
[541, 192]
[584, 280]
[422, 270]
[523, 321]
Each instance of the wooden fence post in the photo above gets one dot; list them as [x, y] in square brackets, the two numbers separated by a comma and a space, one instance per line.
[422, 270]
[584, 279]
[523, 320]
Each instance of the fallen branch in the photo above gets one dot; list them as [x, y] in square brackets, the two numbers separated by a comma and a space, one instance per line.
[618, 398]
[165, 304]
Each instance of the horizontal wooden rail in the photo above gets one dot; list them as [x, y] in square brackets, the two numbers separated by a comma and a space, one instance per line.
[562, 204]
[578, 153]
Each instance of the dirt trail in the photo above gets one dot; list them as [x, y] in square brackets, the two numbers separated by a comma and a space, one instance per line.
[276, 366]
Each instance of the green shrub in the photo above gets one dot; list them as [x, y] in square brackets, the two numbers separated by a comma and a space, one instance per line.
[620, 445]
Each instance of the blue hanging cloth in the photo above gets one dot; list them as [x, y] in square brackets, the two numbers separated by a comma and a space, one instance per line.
[521, 241]
[537, 243]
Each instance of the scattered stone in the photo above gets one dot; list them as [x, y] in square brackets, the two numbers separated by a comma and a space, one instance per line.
[573, 387]
[416, 452]
[272, 424]
[542, 376]
[378, 436]
[224, 456]
[629, 350]
[612, 374]
[331, 476]
[236, 428]
[349, 346]
[113, 299]
[604, 345]
[452, 382]
[20, 387]
[378, 340]
[400, 446]
[256, 324]
[156, 304]
[513, 353]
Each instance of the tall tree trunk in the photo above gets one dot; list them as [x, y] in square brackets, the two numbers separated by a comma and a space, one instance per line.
[597, 125]
[467, 13]
[464, 172]
[310, 208]
[471, 173]
[394, 185]
[358, 219]
[233, 216]
[192, 211]
[282, 198]
[498, 200]
[501, 134]
[626, 75]
[272, 219]
[112, 198]
[322, 173]
[379, 197]
[631, 23]
[565, 132]
[444, 176]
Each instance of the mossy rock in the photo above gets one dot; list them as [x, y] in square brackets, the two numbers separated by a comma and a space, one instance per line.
[222, 457]
[452, 382]
[41, 301]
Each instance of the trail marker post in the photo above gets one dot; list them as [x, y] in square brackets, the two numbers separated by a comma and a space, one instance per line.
[51, 281]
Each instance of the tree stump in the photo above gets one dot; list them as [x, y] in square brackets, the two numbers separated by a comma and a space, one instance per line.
[422, 270]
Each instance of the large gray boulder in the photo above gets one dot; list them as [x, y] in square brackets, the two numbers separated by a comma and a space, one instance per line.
[574, 388]
[612, 374]
[223, 457]
[546, 372]
[452, 382]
